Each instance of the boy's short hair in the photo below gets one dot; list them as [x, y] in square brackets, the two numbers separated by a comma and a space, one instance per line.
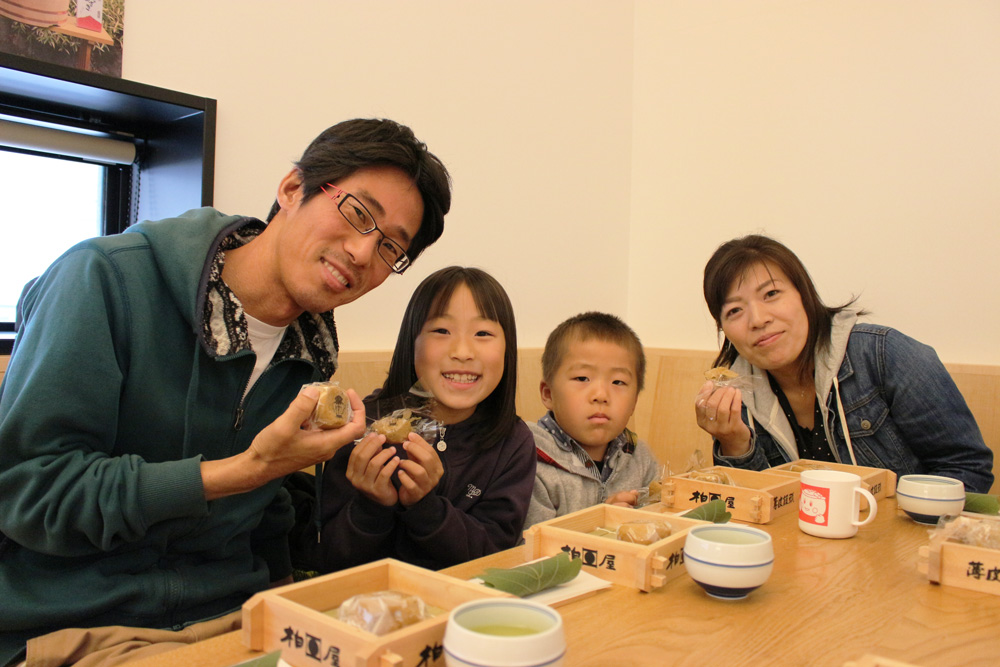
[588, 326]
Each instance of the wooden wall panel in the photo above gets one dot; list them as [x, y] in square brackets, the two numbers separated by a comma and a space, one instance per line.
[980, 385]
[664, 415]
[362, 371]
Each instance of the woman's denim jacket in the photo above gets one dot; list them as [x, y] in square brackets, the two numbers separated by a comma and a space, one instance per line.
[903, 410]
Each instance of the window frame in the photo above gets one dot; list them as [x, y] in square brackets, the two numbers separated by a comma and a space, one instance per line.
[174, 134]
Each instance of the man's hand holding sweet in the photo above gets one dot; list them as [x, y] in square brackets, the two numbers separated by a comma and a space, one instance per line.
[282, 448]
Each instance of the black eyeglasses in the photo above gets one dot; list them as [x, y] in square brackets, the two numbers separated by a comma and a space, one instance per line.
[362, 220]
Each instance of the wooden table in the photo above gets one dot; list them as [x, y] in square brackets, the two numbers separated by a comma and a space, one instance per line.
[827, 602]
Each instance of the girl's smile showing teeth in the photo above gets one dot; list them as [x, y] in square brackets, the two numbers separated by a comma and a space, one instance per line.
[448, 345]
[461, 378]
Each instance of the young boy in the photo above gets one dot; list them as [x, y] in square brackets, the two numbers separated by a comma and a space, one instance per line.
[593, 369]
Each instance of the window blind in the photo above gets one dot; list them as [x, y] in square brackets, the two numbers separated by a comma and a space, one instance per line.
[103, 150]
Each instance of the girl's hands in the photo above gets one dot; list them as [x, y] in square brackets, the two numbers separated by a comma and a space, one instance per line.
[420, 473]
[623, 498]
[718, 414]
[370, 468]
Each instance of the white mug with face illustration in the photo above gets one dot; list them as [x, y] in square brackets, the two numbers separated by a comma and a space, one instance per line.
[830, 503]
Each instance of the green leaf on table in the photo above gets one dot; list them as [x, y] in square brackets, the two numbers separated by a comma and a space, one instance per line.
[268, 660]
[533, 577]
[982, 503]
[714, 511]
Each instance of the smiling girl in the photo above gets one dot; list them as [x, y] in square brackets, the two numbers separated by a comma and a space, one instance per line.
[825, 386]
[464, 492]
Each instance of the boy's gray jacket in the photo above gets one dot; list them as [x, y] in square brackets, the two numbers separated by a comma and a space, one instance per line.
[564, 484]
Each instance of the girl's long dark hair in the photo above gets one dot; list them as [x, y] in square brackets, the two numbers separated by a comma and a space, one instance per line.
[496, 416]
[729, 264]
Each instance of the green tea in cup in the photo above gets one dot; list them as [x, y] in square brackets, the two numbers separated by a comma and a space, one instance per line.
[501, 630]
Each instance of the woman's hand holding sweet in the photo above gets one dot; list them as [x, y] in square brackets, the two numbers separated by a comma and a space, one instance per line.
[420, 473]
[718, 413]
[370, 469]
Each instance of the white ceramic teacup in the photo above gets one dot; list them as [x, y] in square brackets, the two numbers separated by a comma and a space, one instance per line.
[504, 632]
[830, 503]
[728, 560]
[926, 498]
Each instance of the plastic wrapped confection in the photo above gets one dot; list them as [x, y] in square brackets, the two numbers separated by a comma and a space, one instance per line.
[395, 427]
[333, 409]
[415, 417]
[650, 494]
[698, 469]
[601, 531]
[802, 467]
[727, 377]
[974, 532]
[644, 532]
[720, 374]
[383, 612]
[714, 476]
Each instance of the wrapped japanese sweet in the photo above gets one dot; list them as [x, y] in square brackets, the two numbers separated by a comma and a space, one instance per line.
[649, 494]
[415, 415]
[700, 470]
[721, 376]
[395, 427]
[383, 612]
[714, 476]
[972, 531]
[802, 467]
[333, 409]
[644, 531]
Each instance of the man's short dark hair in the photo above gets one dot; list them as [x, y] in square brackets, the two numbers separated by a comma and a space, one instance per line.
[590, 326]
[346, 147]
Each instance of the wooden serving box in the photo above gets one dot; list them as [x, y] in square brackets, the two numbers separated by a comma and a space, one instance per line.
[756, 497]
[291, 618]
[880, 482]
[961, 565]
[641, 566]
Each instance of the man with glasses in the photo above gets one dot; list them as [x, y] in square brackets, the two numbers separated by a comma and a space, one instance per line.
[153, 400]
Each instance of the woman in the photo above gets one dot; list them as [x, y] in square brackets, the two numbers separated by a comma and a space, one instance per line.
[818, 384]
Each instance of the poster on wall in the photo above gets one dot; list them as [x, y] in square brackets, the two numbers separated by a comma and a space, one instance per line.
[86, 34]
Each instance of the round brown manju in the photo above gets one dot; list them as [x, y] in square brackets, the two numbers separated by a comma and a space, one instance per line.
[333, 409]
[720, 374]
[395, 429]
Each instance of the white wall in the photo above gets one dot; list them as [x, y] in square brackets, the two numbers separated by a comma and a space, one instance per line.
[601, 150]
[529, 104]
[863, 134]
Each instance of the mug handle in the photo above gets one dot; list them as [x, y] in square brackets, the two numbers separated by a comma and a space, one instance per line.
[872, 506]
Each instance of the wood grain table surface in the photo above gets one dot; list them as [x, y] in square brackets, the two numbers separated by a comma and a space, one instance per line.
[828, 602]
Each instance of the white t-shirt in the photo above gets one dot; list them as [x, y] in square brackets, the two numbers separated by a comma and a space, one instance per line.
[264, 339]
